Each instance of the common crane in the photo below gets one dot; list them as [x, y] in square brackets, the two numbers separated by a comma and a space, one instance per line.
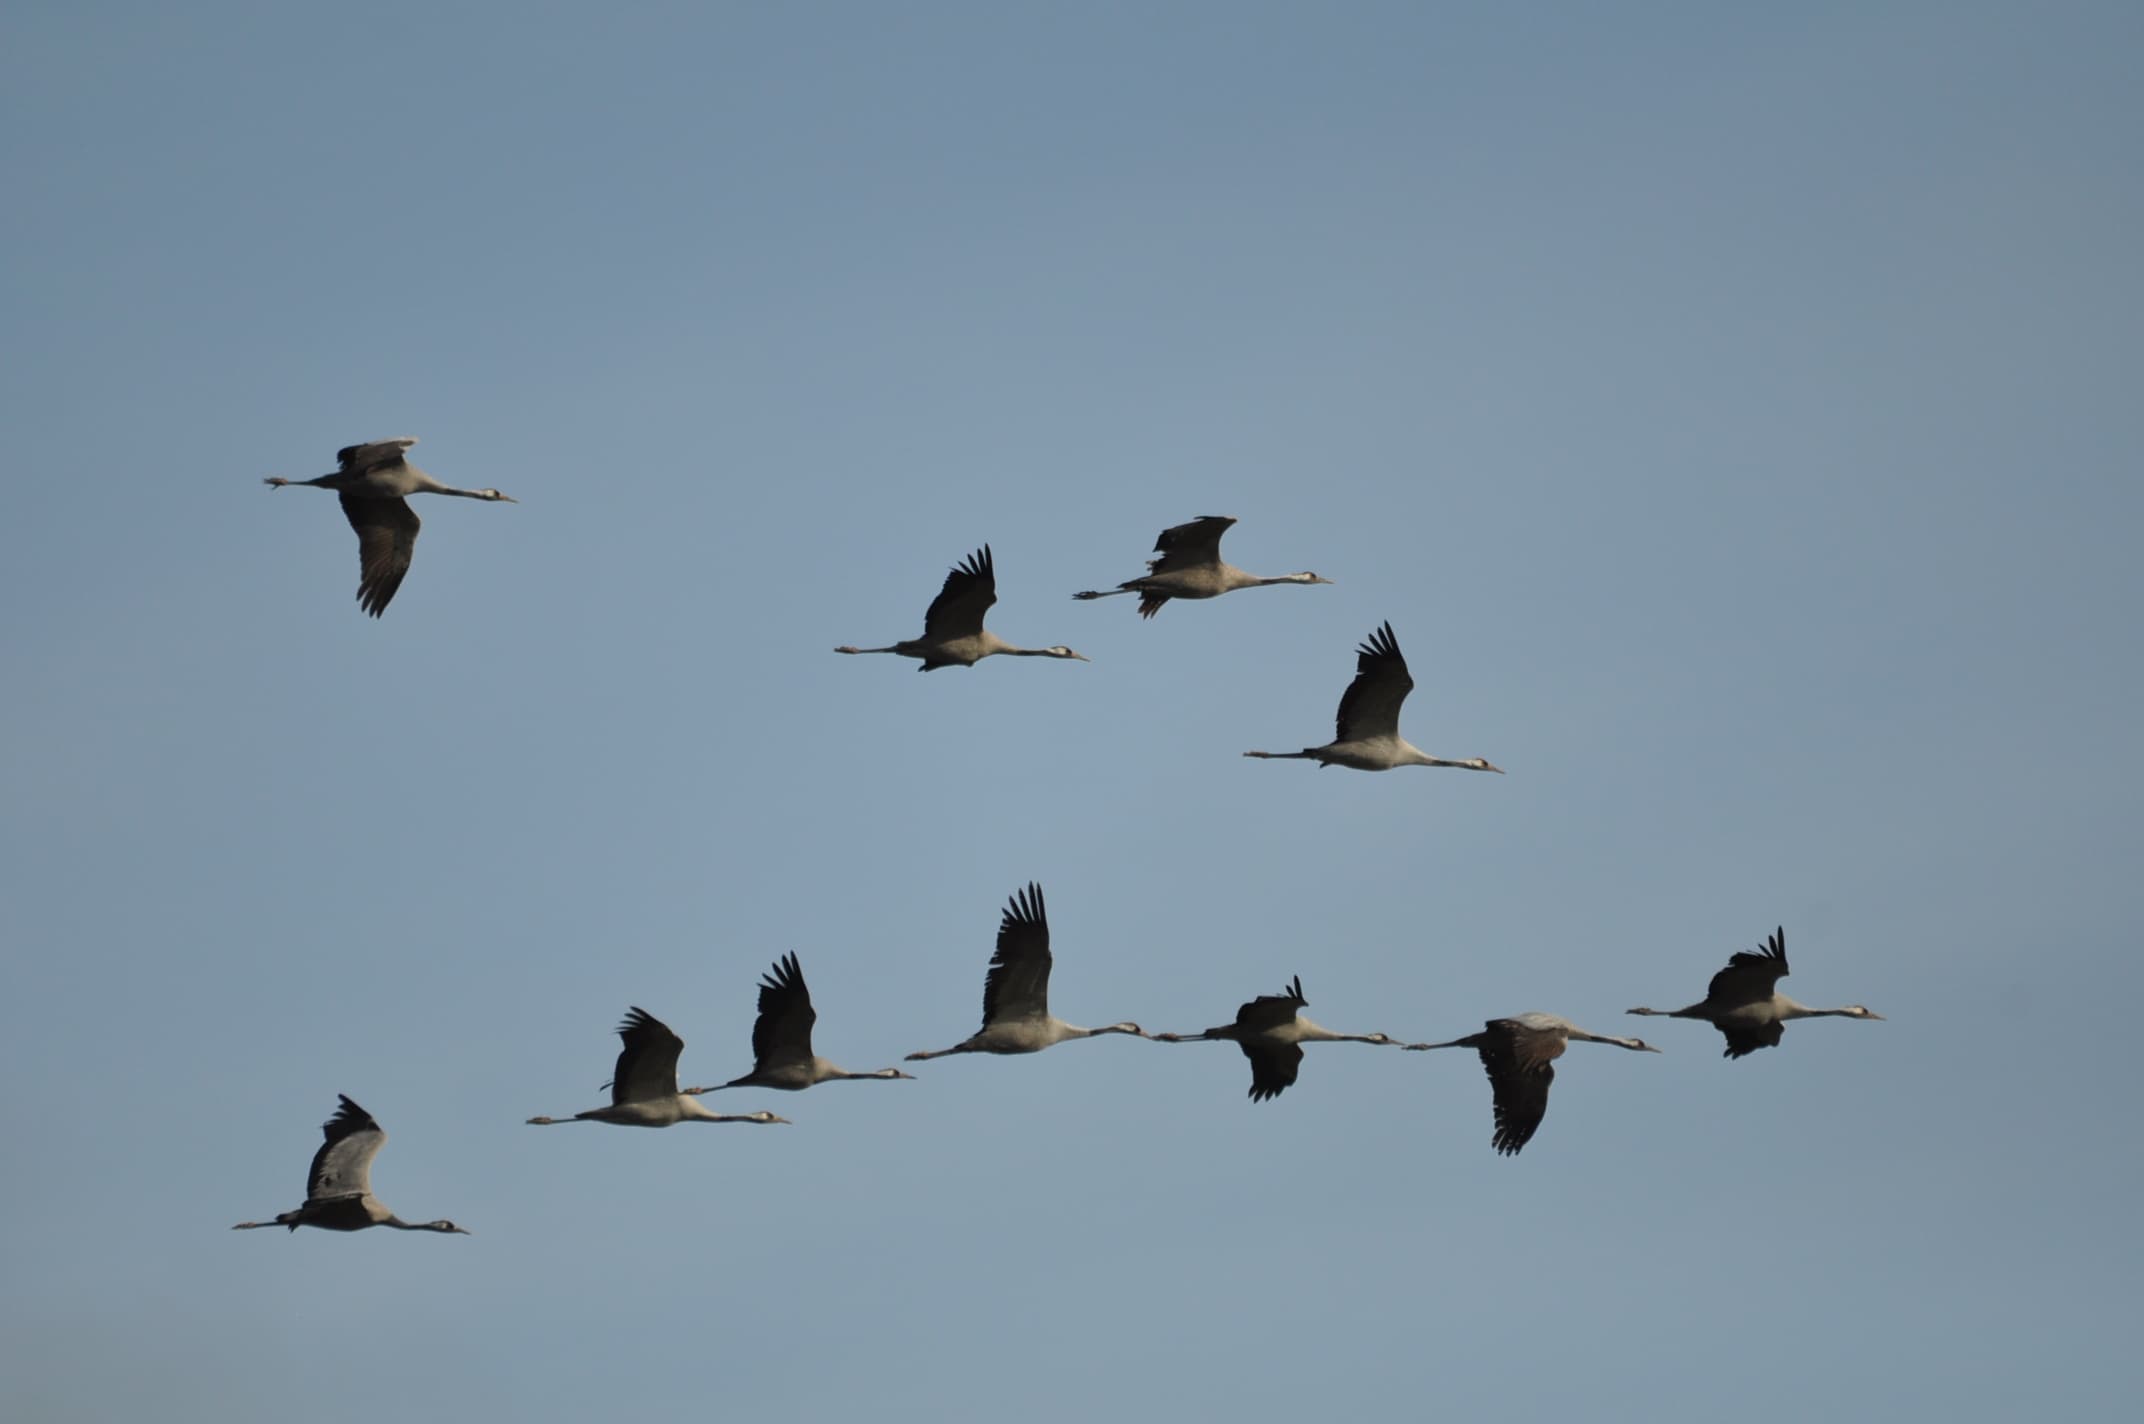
[1367, 732]
[1016, 991]
[338, 1186]
[953, 631]
[643, 1087]
[374, 481]
[1271, 1034]
[1743, 1002]
[1190, 566]
[781, 1037]
[1520, 1054]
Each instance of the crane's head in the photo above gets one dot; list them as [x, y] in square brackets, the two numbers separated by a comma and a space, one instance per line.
[496, 497]
[444, 1226]
[764, 1117]
[1307, 577]
[1856, 1011]
[1059, 650]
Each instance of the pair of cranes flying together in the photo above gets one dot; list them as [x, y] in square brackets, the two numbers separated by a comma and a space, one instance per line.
[643, 1086]
[1190, 566]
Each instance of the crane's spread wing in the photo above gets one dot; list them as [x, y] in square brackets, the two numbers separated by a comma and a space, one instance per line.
[1743, 1040]
[782, 1032]
[1273, 1067]
[1521, 1064]
[1371, 705]
[647, 1065]
[1269, 1011]
[1751, 976]
[343, 1165]
[1190, 546]
[1018, 985]
[970, 589]
[372, 455]
[386, 541]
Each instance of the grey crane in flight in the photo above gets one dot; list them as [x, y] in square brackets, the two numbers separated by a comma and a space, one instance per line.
[338, 1186]
[1190, 566]
[643, 1087]
[375, 481]
[1016, 990]
[1520, 1055]
[1366, 735]
[1271, 1032]
[953, 631]
[1744, 1004]
[781, 1037]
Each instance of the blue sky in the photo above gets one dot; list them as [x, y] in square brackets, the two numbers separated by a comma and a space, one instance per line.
[1734, 414]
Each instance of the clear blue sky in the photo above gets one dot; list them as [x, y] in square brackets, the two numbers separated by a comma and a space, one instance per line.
[1735, 412]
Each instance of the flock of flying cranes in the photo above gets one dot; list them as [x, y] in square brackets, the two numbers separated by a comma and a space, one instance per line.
[1519, 1052]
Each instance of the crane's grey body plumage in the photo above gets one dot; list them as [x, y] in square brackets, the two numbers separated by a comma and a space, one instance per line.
[374, 482]
[643, 1085]
[1271, 1031]
[338, 1185]
[1190, 566]
[1016, 989]
[1744, 1004]
[953, 631]
[1519, 1054]
[1366, 730]
[782, 1056]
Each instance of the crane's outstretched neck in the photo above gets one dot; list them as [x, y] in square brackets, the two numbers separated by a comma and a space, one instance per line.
[845, 648]
[1692, 1012]
[1106, 592]
[1419, 758]
[444, 1227]
[1304, 755]
[1635, 1045]
[1470, 1041]
[1308, 1032]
